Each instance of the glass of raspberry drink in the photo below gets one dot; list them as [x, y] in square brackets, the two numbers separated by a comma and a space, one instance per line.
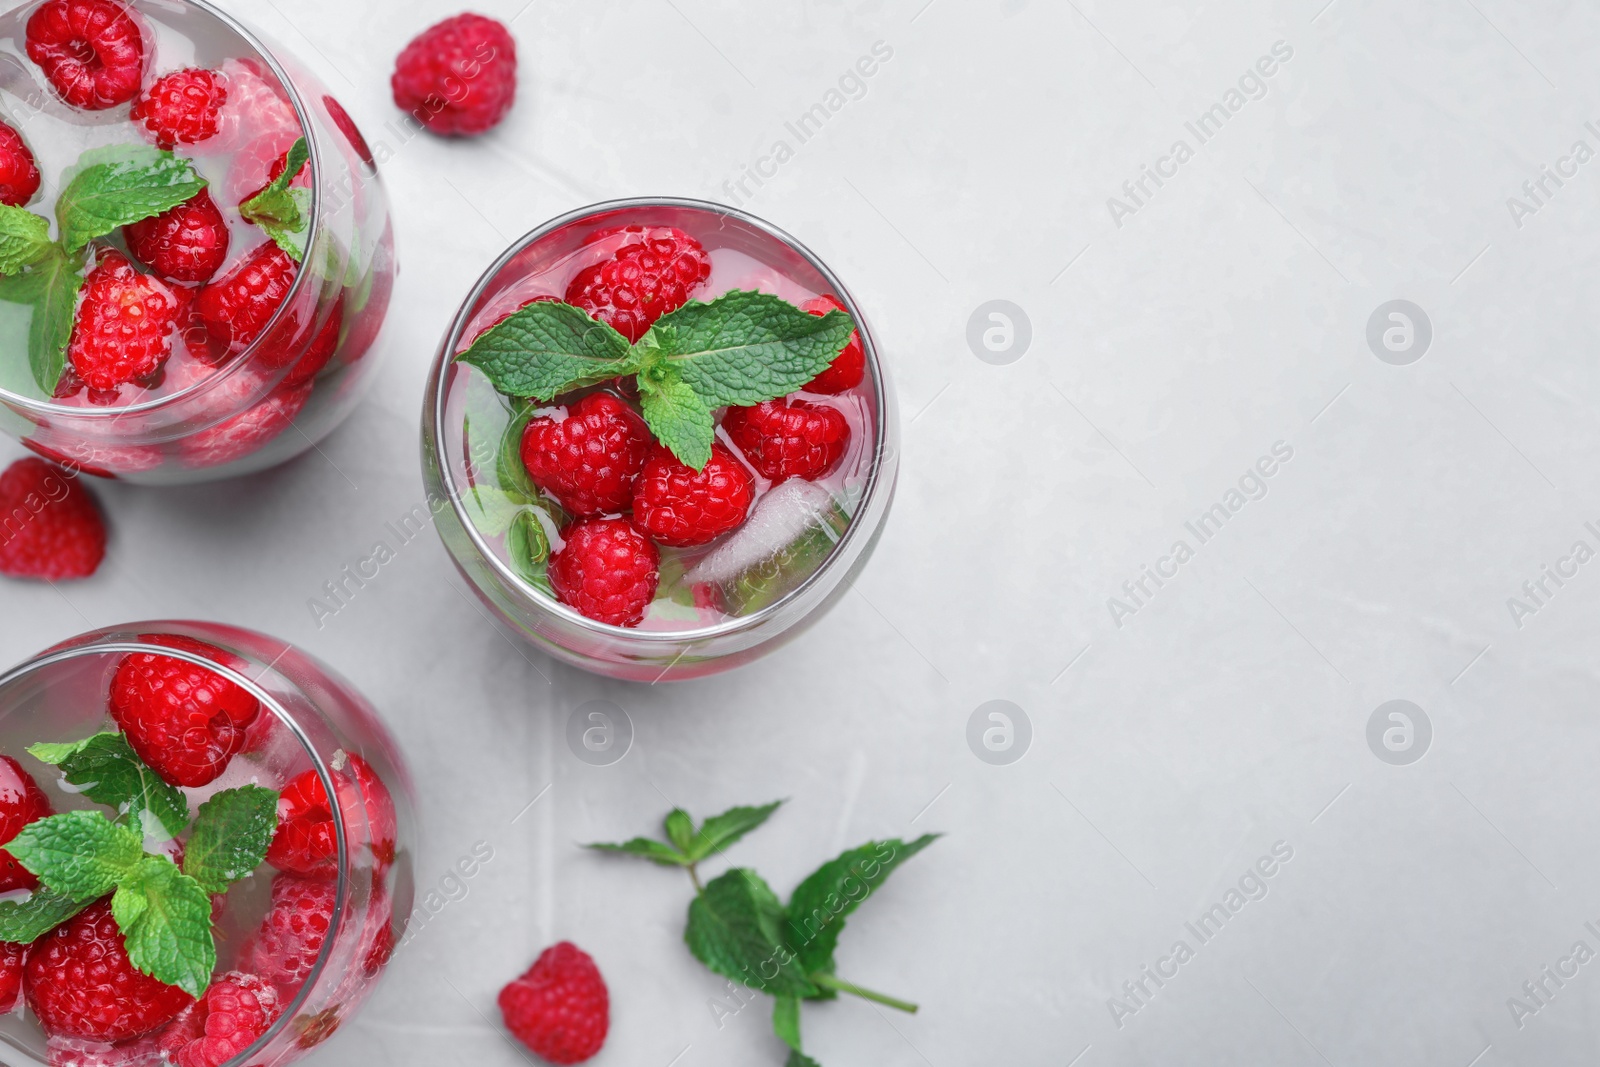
[195, 247]
[658, 438]
[214, 827]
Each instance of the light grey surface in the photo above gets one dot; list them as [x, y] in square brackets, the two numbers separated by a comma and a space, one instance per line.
[1169, 353]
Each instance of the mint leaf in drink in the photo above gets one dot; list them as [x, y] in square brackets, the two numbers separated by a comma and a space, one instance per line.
[677, 415]
[743, 347]
[50, 288]
[231, 833]
[720, 831]
[165, 918]
[25, 921]
[546, 349]
[680, 829]
[643, 847]
[786, 1021]
[528, 545]
[109, 772]
[492, 511]
[282, 209]
[24, 238]
[121, 184]
[820, 904]
[509, 469]
[81, 855]
[736, 929]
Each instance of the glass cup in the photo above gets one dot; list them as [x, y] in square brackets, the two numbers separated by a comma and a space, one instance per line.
[469, 435]
[312, 725]
[216, 414]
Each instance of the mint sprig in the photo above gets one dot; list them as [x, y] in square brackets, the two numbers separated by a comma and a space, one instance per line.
[24, 238]
[118, 185]
[81, 854]
[282, 208]
[231, 835]
[742, 348]
[110, 773]
[50, 287]
[165, 918]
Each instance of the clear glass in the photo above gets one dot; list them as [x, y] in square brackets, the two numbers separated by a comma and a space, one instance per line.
[464, 420]
[312, 720]
[204, 422]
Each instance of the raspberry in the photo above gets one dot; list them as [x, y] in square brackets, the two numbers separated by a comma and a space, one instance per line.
[236, 1010]
[91, 50]
[589, 460]
[12, 956]
[19, 174]
[184, 107]
[185, 721]
[80, 982]
[789, 438]
[654, 272]
[187, 244]
[304, 843]
[850, 367]
[76, 1052]
[49, 526]
[607, 571]
[458, 78]
[347, 126]
[21, 802]
[240, 304]
[249, 432]
[317, 353]
[291, 936]
[124, 327]
[560, 1009]
[682, 508]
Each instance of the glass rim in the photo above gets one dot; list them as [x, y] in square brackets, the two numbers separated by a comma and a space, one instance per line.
[303, 116]
[882, 424]
[96, 646]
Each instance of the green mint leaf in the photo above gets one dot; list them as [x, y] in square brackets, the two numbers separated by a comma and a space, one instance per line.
[50, 288]
[546, 349]
[680, 829]
[736, 929]
[82, 854]
[24, 922]
[24, 238]
[285, 214]
[511, 472]
[800, 1059]
[720, 831]
[677, 415]
[743, 347]
[109, 772]
[528, 545]
[491, 510]
[820, 904]
[654, 851]
[165, 917]
[121, 184]
[231, 833]
[786, 1021]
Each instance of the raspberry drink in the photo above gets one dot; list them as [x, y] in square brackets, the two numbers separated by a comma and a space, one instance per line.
[195, 249]
[659, 438]
[205, 851]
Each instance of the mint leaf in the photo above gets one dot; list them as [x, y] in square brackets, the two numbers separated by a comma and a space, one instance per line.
[677, 415]
[509, 469]
[820, 904]
[736, 929]
[546, 349]
[654, 851]
[720, 831]
[800, 1059]
[786, 1021]
[51, 290]
[121, 184]
[82, 854]
[282, 209]
[24, 238]
[109, 772]
[743, 347]
[491, 510]
[680, 829]
[528, 545]
[231, 835]
[24, 922]
[165, 917]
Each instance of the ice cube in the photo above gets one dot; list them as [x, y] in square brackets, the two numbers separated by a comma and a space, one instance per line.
[790, 534]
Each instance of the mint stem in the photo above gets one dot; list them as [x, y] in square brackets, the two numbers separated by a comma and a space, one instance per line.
[694, 876]
[839, 985]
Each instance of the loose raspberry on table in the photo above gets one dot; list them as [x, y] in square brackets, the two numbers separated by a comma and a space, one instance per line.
[589, 460]
[789, 438]
[184, 107]
[185, 721]
[681, 507]
[124, 326]
[50, 528]
[655, 272]
[236, 1010]
[305, 842]
[850, 368]
[560, 1009]
[21, 802]
[19, 173]
[237, 307]
[187, 244]
[607, 571]
[458, 78]
[92, 51]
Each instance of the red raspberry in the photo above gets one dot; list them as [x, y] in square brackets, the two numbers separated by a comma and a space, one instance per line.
[291, 936]
[21, 802]
[236, 1010]
[12, 956]
[654, 272]
[80, 982]
[184, 107]
[458, 78]
[49, 525]
[316, 354]
[560, 1009]
[682, 508]
[91, 50]
[185, 721]
[789, 438]
[238, 306]
[850, 367]
[19, 174]
[305, 844]
[589, 460]
[607, 571]
[249, 432]
[124, 327]
[76, 1052]
[187, 244]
